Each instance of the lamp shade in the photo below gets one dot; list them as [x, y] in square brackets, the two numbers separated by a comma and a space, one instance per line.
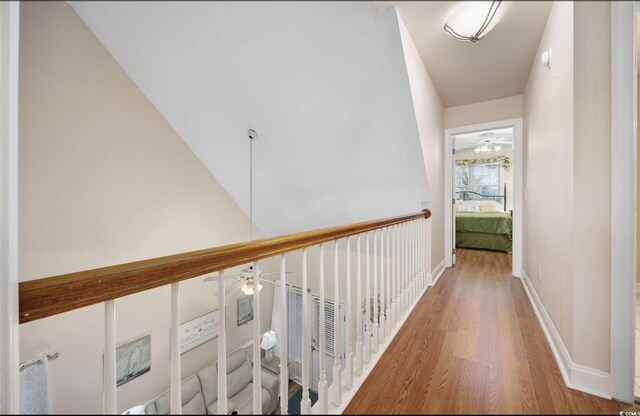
[269, 340]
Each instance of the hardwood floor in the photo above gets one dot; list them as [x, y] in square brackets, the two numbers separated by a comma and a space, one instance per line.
[473, 345]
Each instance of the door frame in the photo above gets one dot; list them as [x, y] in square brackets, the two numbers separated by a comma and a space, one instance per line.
[449, 172]
[9, 327]
[623, 198]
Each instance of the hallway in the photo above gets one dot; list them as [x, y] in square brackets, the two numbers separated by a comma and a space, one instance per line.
[473, 345]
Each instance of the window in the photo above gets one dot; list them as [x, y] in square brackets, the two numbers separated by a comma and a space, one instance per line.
[483, 179]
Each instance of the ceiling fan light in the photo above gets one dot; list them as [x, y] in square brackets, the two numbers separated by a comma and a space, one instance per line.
[497, 148]
[472, 20]
[477, 150]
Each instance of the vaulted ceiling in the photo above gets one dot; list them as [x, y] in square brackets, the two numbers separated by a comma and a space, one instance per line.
[463, 72]
[324, 84]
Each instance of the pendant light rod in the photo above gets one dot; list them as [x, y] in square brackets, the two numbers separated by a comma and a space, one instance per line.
[252, 136]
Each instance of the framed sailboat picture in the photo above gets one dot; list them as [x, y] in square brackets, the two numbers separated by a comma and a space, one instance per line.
[133, 359]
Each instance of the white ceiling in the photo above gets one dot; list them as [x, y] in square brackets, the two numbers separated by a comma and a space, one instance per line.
[465, 73]
[502, 137]
[323, 83]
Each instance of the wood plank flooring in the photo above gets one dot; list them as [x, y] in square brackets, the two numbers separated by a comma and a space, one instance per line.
[473, 345]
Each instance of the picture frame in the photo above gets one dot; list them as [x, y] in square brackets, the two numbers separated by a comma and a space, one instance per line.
[133, 359]
[245, 310]
[199, 330]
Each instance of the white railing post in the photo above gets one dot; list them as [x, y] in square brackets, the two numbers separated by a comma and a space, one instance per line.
[222, 347]
[423, 247]
[284, 348]
[176, 390]
[337, 368]
[414, 251]
[323, 400]
[394, 269]
[359, 343]
[376, 322]
[387, 280]
[381, 318]
[257, 378]
[367, 304]
[305, 403]
[405, 284]
[348, 379]
[110, 397]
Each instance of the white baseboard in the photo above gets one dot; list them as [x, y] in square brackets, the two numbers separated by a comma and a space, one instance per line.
[437, 272]
[358, 381]
[576, 376]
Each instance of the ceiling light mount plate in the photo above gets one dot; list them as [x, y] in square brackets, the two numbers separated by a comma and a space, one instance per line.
[471, 21]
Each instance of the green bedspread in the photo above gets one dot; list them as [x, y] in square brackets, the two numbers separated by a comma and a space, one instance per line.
[484, 222]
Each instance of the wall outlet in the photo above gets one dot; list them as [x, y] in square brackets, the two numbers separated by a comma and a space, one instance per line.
[539, 272]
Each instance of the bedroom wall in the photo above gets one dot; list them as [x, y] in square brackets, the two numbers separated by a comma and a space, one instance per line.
[429, 115]
[506, 176]
[104, 180]
[548, 172]
[483, 112]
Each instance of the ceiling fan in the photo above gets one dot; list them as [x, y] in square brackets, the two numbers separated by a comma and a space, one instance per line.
[491, 143]
[246, 275]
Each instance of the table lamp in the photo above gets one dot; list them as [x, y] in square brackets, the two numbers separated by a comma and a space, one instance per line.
[269, 341]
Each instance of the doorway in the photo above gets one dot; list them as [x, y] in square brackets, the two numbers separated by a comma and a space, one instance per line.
[486, 163]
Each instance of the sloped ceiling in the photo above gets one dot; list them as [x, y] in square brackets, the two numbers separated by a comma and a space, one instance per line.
[323, 84]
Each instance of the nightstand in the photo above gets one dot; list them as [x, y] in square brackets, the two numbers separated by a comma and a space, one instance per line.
[272, 367]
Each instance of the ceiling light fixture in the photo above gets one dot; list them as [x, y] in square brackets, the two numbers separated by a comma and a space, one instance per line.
[473, 20]
[487, 146]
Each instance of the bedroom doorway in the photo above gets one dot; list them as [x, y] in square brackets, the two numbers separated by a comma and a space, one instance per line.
[483, 181]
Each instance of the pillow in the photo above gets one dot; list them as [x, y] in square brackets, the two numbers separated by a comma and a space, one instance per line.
[487, 208]
[195, 406]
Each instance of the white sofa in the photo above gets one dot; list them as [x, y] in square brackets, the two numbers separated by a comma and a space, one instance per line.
[200, 391]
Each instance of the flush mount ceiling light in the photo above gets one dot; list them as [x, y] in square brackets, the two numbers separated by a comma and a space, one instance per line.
[472, 20]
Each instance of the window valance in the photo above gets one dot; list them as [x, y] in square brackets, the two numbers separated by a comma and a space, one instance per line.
[505, 160]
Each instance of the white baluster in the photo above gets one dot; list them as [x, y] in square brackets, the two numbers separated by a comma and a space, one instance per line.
[374, 333]
[222, 346]
[381, 317]
[367, 304]
[394, 274]
[348, 379]
[323, 400]
[405, 285]
[412, 263]
[414, 239]
[337, 368]
[257, 378]
[305, 403]
[284, 347]
[110, 397]
[176, 390]
[422, 253]
[358, 305]
[388, 285]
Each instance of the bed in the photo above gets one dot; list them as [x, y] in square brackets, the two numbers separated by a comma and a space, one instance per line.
[482, 223]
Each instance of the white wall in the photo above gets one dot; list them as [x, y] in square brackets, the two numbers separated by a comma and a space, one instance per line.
[548, 172]
[104, 179]
[483, 112]
[429, 115]
[592, 184]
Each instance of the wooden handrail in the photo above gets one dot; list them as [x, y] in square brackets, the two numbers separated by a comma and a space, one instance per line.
[49, 296]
